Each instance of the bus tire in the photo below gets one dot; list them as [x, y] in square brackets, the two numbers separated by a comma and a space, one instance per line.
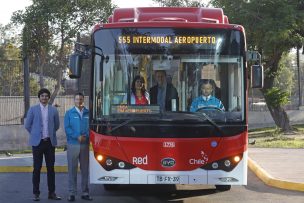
[110, 187]
[223, 187]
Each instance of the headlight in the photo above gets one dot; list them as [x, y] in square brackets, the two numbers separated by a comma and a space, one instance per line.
[111, 163]
[225, 164]
[99, 157]
[121, 164]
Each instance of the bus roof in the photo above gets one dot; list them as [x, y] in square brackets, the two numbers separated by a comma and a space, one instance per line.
[179, 14]
[164, 16]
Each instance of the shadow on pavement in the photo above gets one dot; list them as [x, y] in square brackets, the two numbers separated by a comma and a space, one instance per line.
[163, 192]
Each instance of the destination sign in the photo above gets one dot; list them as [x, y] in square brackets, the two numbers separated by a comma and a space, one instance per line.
[142, 39]
[135, 109]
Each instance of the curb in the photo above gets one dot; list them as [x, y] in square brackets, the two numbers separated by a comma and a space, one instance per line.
[29, 169]
[274, 182]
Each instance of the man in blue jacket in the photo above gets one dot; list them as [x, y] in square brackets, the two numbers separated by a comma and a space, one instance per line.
[42, 122]
[76, 125]
[206, 100]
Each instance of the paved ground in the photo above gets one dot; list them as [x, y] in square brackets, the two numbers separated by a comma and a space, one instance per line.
[282, 168]
[17, 188]
[285, 164]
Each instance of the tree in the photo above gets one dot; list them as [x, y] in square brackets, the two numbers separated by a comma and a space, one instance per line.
[34, 87]
[272, 28]
[286, 74]
[280, 93]
[11, 74]
[9, 43]
[10, 64]
[50, 27]
[10, 78]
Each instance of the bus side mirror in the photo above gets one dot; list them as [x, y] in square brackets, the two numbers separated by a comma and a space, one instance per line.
[257, 76]
[75, 66]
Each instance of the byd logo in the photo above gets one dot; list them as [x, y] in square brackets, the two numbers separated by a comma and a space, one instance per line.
[168, 162]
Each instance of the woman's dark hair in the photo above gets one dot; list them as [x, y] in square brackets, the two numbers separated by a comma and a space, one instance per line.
[142, 80]
[42, 91]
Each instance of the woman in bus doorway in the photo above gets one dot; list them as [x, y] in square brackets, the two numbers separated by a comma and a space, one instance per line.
[139, 94]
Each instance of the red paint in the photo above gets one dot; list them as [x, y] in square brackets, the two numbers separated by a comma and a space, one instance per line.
[168, 17]
[198, 151]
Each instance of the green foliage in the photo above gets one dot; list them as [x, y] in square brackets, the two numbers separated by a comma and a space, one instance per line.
[280, 142]
[271, 26]
[275, 138]
[284, 79]
[34, 86]
[11, 75]
[47, 22]
[2, 52]
[276, 97]
[11, 78]
[50, 27]
[9, 43]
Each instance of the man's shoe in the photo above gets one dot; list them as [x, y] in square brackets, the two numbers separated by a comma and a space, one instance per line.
[53, 196]
[71, 198]
[87, 197]
[36, 198]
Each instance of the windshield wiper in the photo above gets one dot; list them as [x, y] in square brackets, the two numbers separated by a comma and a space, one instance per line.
[210, 121]
[129, 121]
[121, 125]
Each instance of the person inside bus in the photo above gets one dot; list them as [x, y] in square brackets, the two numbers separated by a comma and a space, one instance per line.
[139, 94]
[163, 93]
[206, 100]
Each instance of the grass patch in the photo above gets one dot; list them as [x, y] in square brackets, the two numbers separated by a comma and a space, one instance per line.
[274, 138]
[280, 142]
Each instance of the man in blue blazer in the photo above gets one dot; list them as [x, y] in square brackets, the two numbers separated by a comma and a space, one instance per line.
[42, 122]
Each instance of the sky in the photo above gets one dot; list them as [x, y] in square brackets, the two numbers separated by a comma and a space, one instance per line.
[7, 8]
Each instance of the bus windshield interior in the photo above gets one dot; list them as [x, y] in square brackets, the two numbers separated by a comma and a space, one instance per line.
[153, 71]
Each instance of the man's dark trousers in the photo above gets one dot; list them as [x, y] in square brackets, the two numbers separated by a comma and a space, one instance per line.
[44, 148]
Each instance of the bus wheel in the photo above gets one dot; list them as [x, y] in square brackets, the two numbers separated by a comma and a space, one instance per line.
[223, 187]
[111, 186]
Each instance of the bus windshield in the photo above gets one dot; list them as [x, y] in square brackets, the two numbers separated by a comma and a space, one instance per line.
[181, 72]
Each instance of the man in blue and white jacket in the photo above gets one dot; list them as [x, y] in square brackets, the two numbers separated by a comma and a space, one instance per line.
[76, 125]
[206, 100]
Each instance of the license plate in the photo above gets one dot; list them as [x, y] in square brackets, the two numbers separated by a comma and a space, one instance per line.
[167, 179]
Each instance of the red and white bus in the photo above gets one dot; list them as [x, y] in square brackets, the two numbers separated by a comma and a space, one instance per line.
[141, 144]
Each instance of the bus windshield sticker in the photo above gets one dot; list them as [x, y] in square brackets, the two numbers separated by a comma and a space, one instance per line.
[135, 109]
